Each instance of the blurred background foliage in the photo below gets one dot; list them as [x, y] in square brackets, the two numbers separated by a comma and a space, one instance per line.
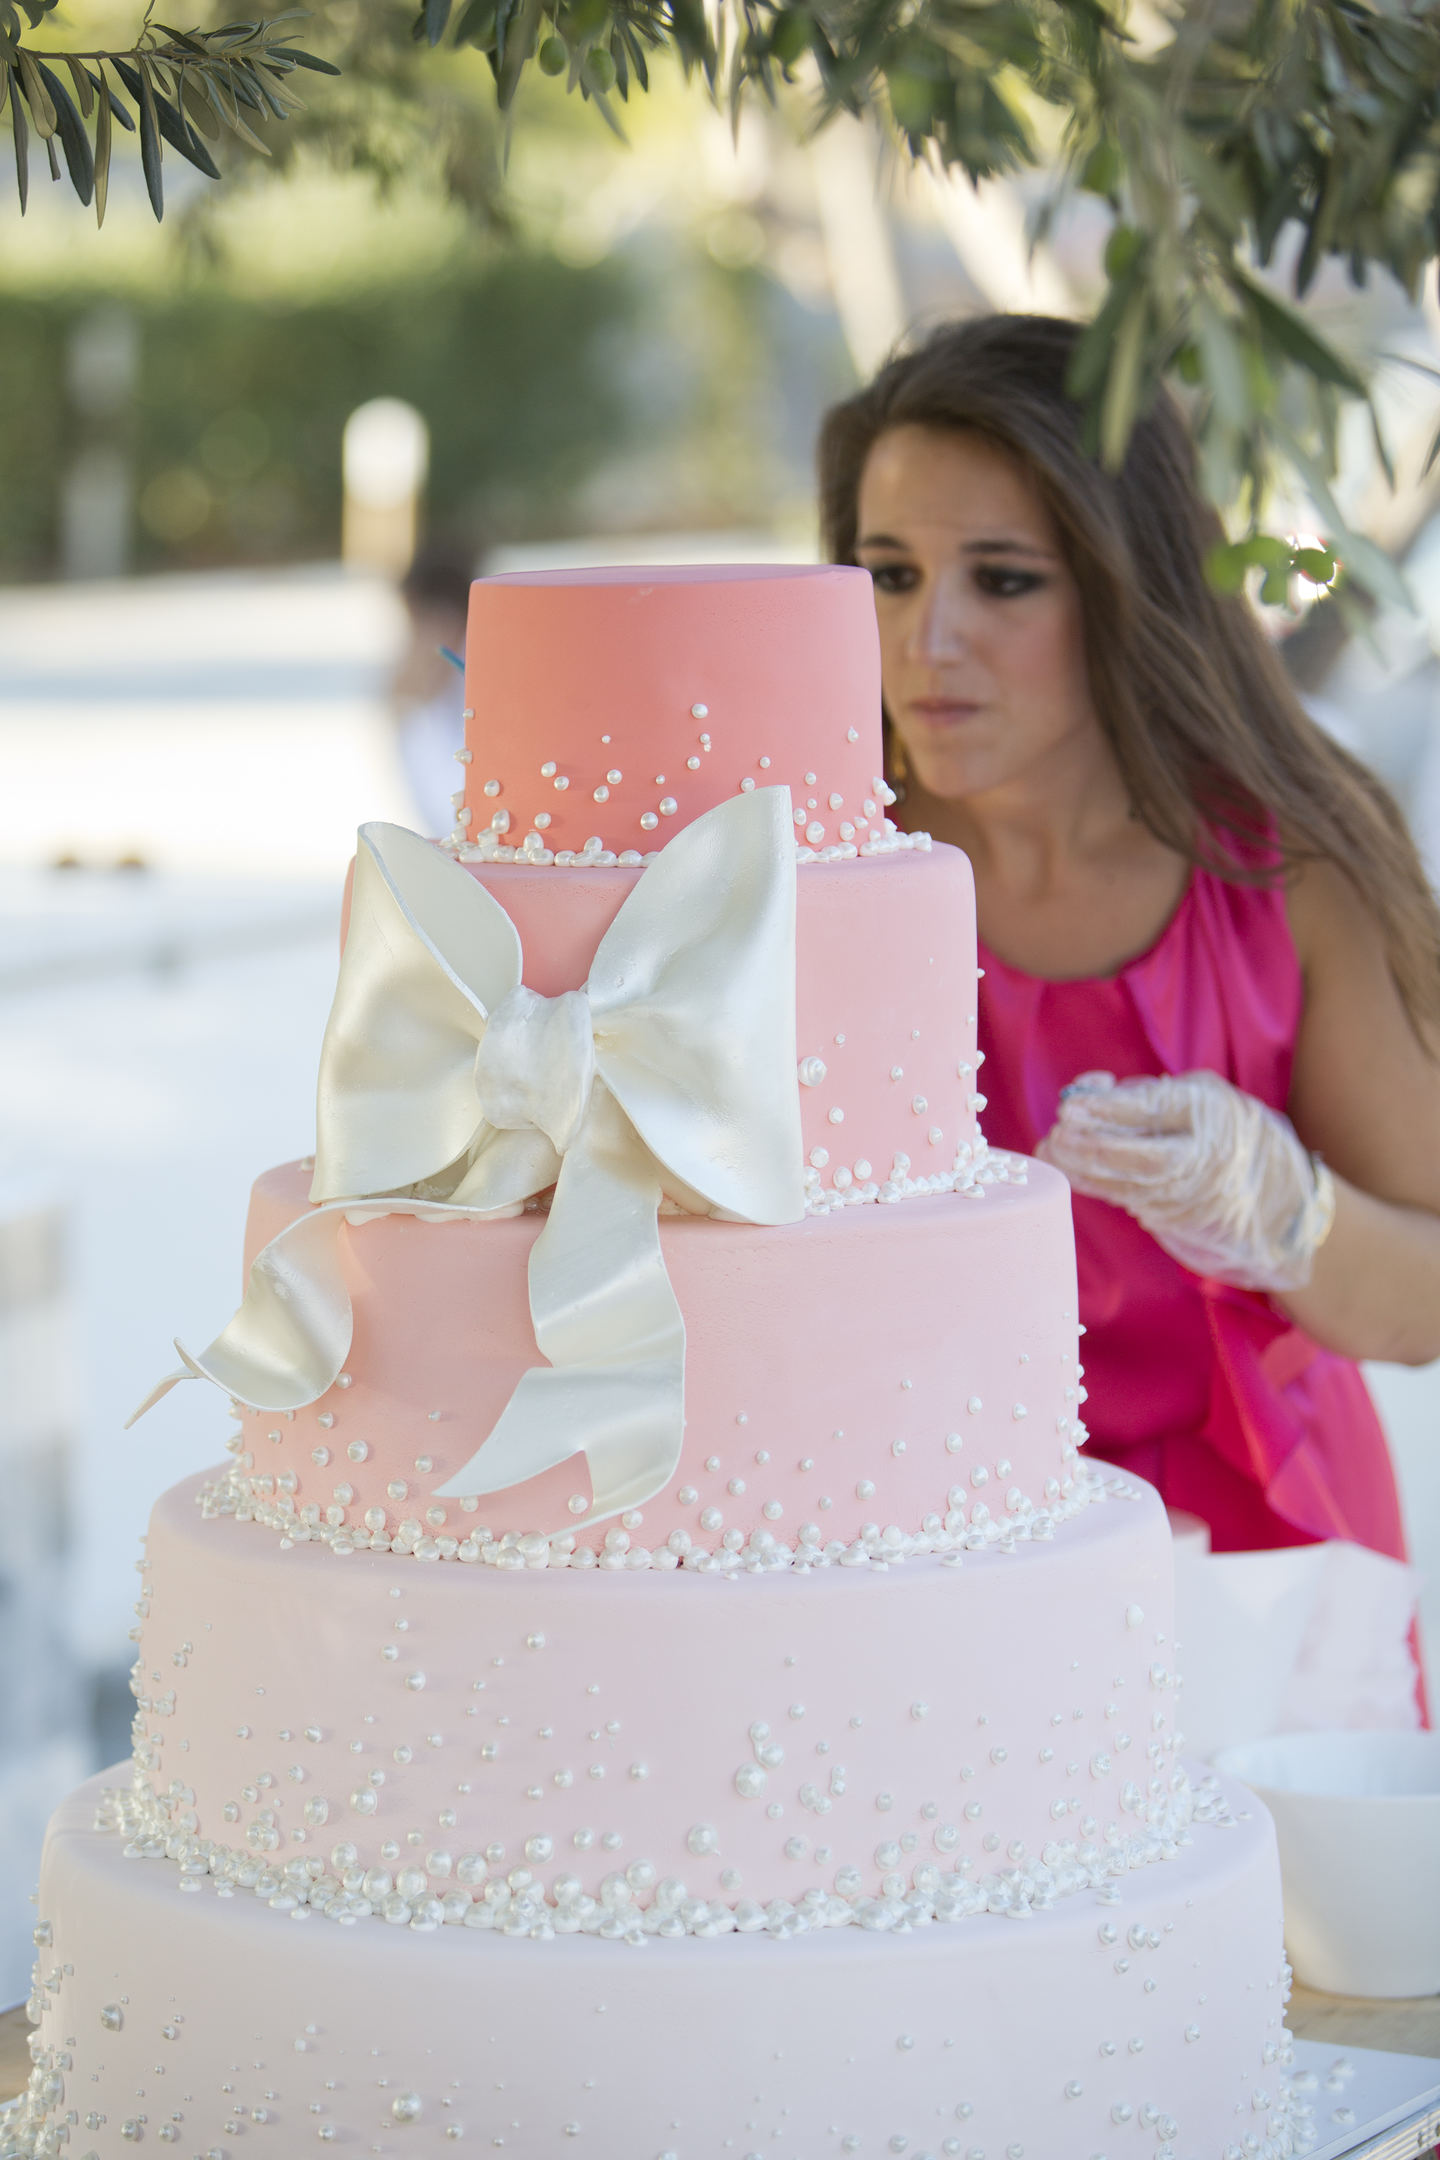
[236, 423]
[1234, 150]
[1242, 199]
[581, 362]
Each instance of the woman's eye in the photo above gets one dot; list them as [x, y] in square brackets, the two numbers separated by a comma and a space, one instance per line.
[893, 577]
[1003, 584]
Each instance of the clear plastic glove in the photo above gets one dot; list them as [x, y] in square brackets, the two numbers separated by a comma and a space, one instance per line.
[1218, 1179]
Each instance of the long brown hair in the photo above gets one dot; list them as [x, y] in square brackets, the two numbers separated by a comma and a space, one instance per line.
[1221, 760]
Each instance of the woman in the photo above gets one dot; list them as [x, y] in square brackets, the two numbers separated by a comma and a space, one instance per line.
[1180, 882]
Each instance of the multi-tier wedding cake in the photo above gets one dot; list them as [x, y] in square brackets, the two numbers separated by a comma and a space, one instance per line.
[659, 1677]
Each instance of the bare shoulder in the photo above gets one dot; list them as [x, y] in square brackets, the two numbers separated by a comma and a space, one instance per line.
[1330, 921]
[1365, 1093]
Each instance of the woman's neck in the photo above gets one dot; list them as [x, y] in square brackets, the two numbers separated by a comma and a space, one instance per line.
[1069, 882]
[1033, 832]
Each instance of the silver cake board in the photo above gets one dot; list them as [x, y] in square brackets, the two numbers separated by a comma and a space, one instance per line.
[1367, 2105]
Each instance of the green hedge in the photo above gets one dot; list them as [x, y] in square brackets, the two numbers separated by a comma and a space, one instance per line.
[235, 428]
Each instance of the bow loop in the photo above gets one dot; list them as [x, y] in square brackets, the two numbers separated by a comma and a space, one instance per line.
[449, 1089]
[693, 992]
[429, 954]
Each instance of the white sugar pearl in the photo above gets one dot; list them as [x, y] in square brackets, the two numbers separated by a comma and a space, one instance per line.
[699, 712]
[812, 1071]
[648, 821]
[836, 1116]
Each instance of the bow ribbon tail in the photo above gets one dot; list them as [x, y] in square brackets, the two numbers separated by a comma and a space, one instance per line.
[189, 1370]
[291, 1336]
[606, 1317]
[287, 1344]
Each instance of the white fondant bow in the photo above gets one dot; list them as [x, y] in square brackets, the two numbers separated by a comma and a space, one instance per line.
[450, 1090]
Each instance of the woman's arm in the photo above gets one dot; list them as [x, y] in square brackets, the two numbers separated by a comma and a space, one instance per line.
[1365, 1095]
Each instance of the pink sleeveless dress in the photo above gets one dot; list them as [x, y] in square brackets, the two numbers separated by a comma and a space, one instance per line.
[1207, 1392]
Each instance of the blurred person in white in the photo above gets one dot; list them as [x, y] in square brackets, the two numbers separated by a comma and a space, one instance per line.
[1210, 956]
[427, 691]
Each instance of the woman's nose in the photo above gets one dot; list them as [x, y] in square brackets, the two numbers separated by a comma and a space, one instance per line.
[939, 629]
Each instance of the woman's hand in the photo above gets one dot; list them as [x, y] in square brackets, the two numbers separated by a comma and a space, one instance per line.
[1216, 1178]
[1365, 1096]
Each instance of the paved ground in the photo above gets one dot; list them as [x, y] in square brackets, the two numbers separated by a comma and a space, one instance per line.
[229, 724]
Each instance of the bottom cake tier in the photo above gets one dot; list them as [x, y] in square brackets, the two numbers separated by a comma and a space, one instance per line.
[1147, 2019]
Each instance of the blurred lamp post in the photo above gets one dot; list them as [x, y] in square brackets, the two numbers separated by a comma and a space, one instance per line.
[102, 367]
[385, 457]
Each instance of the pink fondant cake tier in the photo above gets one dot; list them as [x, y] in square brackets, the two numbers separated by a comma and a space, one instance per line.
[893, 1366]
[213, 2024]
[620, 704]
[885, 1000]
[860, 1732]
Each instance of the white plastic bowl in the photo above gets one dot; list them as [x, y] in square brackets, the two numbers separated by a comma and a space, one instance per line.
[1357, 1815]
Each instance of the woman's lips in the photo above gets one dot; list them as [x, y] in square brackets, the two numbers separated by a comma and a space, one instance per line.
[944, 712]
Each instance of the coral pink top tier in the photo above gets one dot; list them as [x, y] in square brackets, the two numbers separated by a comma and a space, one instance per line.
[613, 706]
